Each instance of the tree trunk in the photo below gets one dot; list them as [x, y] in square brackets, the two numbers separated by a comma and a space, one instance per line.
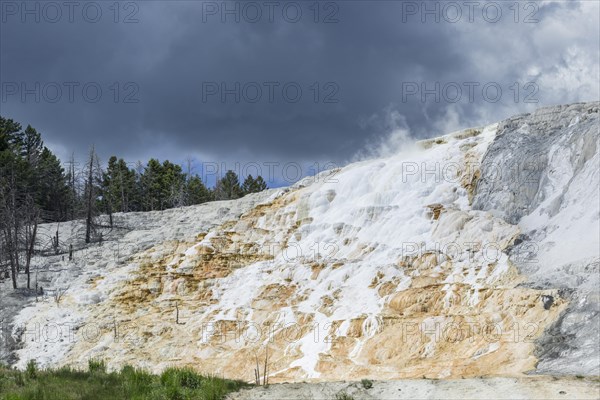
[13, 274]
[30, 253]
[123, 206]
[11, 255]
[90, 197]
[73, 190]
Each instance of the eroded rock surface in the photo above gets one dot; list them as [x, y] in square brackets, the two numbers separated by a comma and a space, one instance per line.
[416, 265]
[542, 174]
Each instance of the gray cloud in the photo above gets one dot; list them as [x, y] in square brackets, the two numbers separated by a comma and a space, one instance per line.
[364, 61]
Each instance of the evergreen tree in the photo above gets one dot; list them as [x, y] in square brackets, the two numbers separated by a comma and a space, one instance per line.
[52, 190]
[137, 201]
[151, 186]
[252, 185]
[163, 185]
[248, 184]
[228, 187]
[196, 191]
[8, 131]
[118, 185]
[30, 145]
[173, 185]
[259, 184]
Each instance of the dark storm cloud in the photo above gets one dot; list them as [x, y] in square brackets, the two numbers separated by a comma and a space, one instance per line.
[362, 62]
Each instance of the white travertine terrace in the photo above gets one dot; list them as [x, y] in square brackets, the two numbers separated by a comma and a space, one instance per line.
[414, 265]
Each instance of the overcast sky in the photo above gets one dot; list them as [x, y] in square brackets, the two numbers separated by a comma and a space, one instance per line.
[284, 81]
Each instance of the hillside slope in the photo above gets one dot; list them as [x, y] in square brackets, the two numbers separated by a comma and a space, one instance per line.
[471, 254]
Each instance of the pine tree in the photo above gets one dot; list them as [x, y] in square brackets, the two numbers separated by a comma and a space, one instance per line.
[118, 185]
[248, 184]
[8, 131]
[196, 191]
[252, 185]
[30, 145]
[173, 185]
[259, 184]
[228, 187]
[151, 186]
[52, 191]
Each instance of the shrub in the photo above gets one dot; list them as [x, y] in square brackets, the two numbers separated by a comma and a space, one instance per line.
[169, 377]
[367, 383]
[31, 369]
[96, 366]
[189, 378]
[181, 377]
[19, 379]
[214, 388]
[136, 379]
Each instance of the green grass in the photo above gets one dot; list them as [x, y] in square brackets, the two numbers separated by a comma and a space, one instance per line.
[96, 384]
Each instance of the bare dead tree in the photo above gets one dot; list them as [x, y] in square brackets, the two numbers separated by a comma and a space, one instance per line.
[89, 198]
[94, 173]
[124, 202]
[189, 162]
[56, 241]
[72, 186]
[30, 237]
[265, 378]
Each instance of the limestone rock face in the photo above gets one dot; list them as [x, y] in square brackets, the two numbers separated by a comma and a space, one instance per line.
[533, 159]
[543, 173]
[420, 264]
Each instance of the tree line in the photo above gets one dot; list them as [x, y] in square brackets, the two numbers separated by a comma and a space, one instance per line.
[35, 188]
